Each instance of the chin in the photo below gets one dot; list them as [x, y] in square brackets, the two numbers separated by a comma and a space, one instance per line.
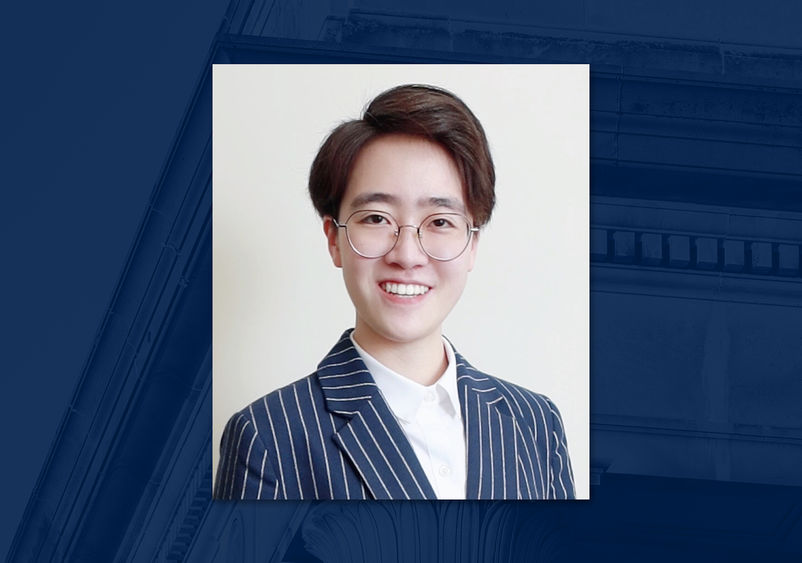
[401, 334]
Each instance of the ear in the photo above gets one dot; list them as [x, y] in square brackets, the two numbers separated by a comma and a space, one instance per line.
[472, 250]
[333, 238]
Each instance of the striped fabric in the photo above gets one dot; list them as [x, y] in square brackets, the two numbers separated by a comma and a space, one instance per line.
[332, 436]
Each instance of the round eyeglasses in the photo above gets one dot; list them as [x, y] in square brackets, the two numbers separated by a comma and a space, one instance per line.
[373, 234]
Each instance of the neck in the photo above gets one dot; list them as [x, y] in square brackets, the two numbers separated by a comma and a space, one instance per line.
[422, 361]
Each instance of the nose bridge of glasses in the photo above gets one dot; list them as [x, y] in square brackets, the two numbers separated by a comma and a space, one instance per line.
[416, 237]
[415, 228]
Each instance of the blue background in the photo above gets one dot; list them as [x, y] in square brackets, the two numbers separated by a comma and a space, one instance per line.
[696, 339]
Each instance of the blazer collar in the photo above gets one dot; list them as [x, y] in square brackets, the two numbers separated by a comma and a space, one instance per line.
[347, 383]
[474, 381]
[345, 380]
[373, 441]
[491, 435]
[371, 437]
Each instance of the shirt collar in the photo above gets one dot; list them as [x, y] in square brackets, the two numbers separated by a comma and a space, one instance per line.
[405, 396]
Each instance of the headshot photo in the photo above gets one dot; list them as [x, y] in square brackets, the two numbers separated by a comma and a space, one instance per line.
[400, 282]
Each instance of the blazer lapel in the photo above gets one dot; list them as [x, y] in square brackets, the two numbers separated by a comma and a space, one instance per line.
[371, 438]
[496, 464]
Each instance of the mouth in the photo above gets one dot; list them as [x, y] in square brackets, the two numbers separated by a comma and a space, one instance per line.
[404, 289]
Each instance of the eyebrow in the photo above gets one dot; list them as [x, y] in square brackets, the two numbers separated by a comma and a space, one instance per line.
[372, 197]
[448, 202]
[381, 197]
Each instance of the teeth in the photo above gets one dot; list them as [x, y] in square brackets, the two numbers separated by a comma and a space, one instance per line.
[404, 288]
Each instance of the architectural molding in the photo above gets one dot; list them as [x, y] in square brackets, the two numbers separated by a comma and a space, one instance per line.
[737, 247]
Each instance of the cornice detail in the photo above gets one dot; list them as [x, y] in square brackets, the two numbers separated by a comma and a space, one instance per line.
[729, 243]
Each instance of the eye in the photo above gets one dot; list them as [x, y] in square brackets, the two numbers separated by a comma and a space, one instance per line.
[375, 219]
[442, 223]
[372, 218]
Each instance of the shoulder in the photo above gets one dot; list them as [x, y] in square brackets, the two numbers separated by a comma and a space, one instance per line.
[278, 407]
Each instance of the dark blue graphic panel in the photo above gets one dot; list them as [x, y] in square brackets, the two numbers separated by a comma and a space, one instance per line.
[696, 139]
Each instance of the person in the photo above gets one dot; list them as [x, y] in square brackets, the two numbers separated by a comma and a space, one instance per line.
[393, 411]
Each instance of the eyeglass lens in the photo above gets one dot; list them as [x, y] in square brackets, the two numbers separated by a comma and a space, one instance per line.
[443, 236]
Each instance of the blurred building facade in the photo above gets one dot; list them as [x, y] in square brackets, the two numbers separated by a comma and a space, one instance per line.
[696, 295]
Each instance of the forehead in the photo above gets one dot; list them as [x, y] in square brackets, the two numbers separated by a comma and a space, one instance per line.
[404, 172]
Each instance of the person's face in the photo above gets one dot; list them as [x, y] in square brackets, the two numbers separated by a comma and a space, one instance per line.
[410, 178]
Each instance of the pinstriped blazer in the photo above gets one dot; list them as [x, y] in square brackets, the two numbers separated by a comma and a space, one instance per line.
[331, 435]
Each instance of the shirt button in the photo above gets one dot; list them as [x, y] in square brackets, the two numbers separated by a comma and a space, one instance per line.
[444, 471]
[428, 397]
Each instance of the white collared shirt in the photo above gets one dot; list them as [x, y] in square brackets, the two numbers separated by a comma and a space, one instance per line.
[431, 420]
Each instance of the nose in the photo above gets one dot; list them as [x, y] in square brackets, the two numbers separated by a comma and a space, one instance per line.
[407, 251]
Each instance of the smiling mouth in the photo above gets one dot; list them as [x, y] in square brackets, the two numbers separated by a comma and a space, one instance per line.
[405, 289]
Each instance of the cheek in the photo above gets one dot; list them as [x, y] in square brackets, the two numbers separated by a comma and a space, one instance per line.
[355, 273]
[457, 274]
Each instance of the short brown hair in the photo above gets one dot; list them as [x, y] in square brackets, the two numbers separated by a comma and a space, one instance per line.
[424, 111]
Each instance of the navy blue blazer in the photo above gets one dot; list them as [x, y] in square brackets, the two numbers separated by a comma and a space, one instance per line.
[331, 435]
